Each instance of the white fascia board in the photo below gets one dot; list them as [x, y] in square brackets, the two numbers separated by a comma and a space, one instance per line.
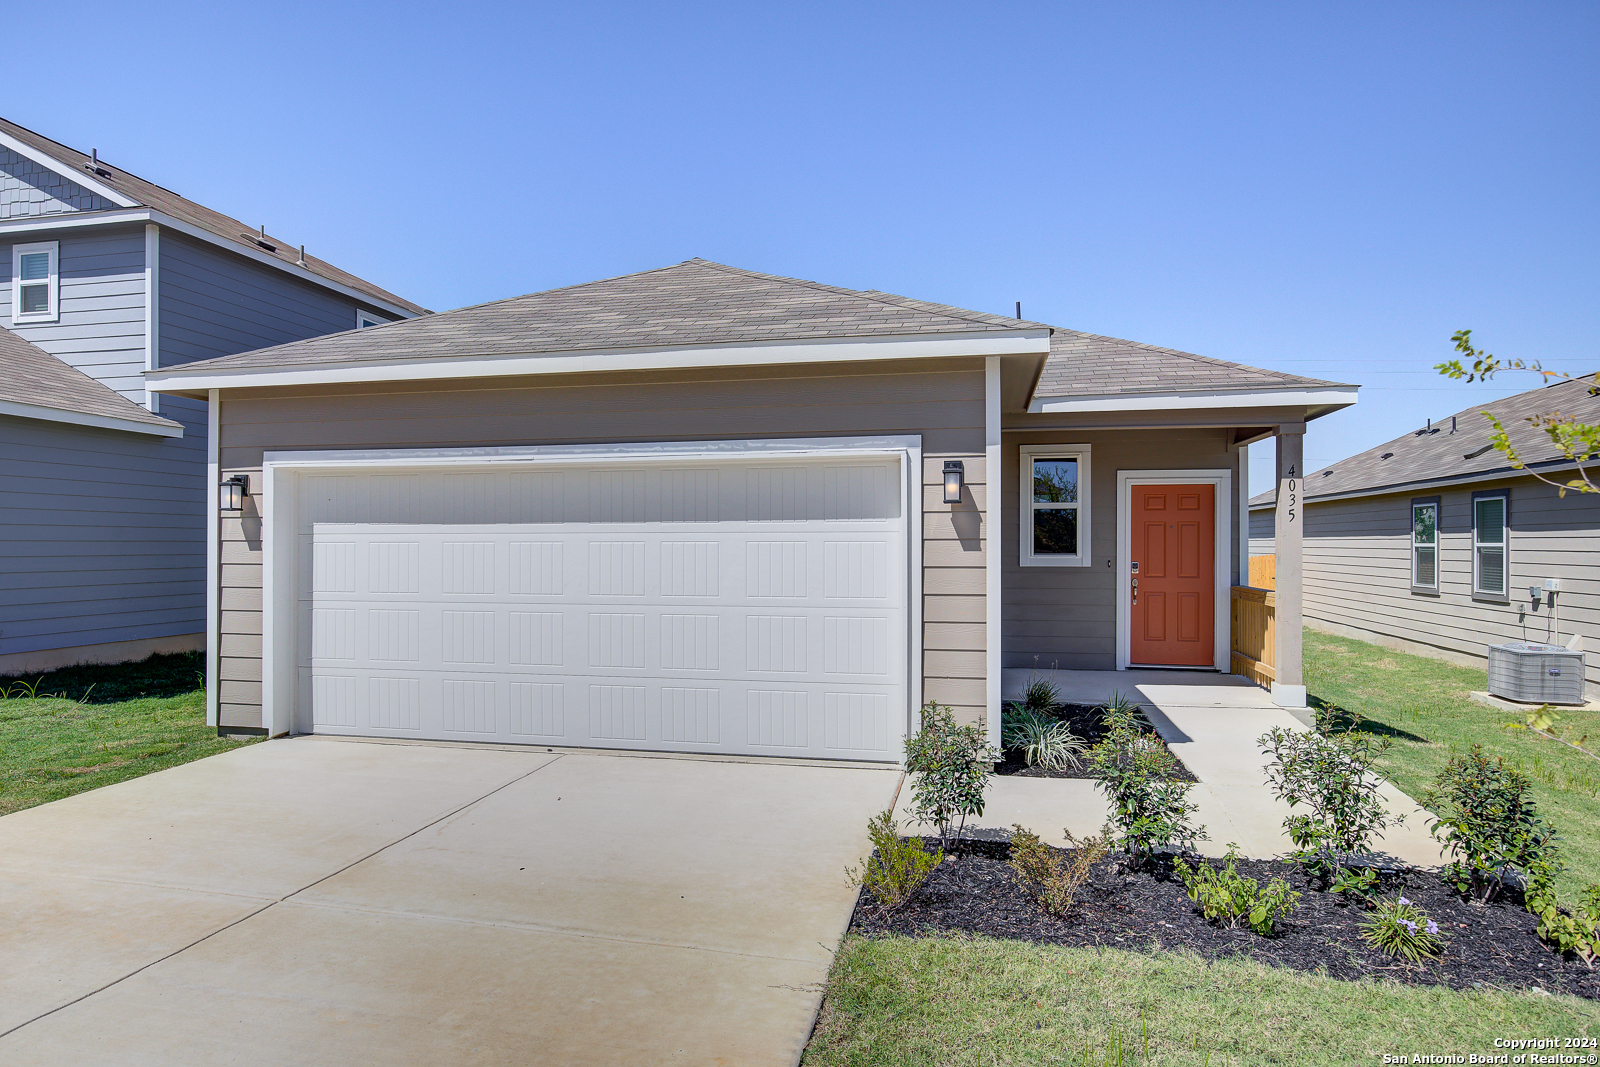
[743, 354]
[631, 452]
[80, 418]
[147, 215]
[1332, 397]
[80, 177]
[1499, 474]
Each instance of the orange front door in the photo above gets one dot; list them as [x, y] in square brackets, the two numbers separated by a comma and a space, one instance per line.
[1173, 584]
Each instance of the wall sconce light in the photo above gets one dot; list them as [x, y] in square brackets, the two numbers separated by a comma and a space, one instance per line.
[231, 492]
[952, 481]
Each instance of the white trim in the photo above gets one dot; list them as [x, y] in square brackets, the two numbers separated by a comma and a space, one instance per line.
[993, 541]
[1222, 654]
[52, 249]
[1026, 454]
[213, 560]
[152, 324]
[79, 418]
[738, 354]
[1504, 544]
[280, 580]
[1336, 396]
[365, 318]
[1433, 586]
[80, 176]
[161, 218]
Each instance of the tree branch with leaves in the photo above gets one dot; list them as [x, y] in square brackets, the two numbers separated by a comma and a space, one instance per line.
[1576, 441]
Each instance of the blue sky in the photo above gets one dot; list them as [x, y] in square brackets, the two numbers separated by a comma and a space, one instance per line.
[1325, 189]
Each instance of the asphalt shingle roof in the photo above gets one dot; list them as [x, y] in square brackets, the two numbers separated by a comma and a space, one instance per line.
[1435, 454]
[165, 200]
[691, 303]
[1087, 364]
[30, 375]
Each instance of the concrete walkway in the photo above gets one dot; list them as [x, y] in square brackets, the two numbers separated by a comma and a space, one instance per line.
[317, 901]
[1211, 722]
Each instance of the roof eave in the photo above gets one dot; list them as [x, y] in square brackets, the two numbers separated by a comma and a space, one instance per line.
[155, 426]
[1317, 400]
[192, 377]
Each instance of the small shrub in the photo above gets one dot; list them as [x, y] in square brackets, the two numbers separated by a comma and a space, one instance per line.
[1051, 880]
[1355, 882]
[1400, 928]
[1229, 898]
[1041, 696]
[951, 766]
[1333, 776]
[1576, 930]
[1149, 808]
[1487, 815]
[1044, 741]
[897, 867]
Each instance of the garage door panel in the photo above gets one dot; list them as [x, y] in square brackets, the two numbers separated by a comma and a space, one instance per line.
[781, 630]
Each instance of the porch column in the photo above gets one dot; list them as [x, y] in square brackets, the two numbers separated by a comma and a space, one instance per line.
[1288, 683]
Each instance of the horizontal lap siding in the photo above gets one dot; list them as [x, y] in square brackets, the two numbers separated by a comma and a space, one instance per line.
[940, 400]
[1065, 618]
[216, 304]
[1358, 572]
[104, 534]
[101, 327]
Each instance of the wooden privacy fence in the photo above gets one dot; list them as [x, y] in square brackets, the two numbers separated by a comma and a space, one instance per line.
[1254, 647]
[1264, 572]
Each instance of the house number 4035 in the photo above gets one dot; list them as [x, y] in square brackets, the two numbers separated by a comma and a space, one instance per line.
[1293, 486]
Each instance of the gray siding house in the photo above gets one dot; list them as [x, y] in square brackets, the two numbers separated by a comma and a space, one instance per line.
[712, 510]
[103, 483]
[1431, 543]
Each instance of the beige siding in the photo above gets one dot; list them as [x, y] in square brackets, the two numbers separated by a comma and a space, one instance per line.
[1065, 617]
[940, 400]
[1358, 573]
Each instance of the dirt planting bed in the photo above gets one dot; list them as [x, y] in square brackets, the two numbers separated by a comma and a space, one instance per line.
[1085, 721]
[1488, 945]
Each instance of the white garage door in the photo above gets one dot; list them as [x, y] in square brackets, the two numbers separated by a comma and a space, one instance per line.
[737, 608]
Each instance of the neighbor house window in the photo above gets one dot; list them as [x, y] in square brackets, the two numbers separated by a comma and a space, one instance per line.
[35, 285]
[1425, 545]
[1055, 506]
[367, 318]
[1490, 525]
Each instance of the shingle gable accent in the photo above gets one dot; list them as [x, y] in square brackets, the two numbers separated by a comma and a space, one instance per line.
[31, 190]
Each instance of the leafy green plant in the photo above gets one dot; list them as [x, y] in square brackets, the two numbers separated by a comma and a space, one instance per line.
[897, 866]
[1041, 696]
[951, 767]
[20, 690]
[1052, 879]
[1333, 775]
[1400, 928]
[1575, 930]
[1229, 898]
[1150, 808]
[1487, 816]
[1044, 741]
[1354, 882]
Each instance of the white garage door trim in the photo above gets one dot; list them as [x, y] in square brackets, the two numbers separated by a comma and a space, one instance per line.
[283, 528]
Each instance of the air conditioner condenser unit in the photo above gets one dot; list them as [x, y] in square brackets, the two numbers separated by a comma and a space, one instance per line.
[1536, 674]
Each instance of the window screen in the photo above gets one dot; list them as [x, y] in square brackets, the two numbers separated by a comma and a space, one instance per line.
[1489, 545]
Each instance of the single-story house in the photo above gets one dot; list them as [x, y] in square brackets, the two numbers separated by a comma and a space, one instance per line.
[103, 483]
[1433, 543]
[706, 509]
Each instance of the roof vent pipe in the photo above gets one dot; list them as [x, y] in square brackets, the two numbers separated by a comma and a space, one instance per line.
[302, 255]
[1019, 309]
[1452, 424]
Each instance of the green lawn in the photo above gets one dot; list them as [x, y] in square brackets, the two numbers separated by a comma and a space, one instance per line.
[953, 1001]
[54, 747]
[1423, 705]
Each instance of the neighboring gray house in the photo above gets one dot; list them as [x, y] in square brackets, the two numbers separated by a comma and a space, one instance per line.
[1430, 543]
[712, 510]
[103, 484]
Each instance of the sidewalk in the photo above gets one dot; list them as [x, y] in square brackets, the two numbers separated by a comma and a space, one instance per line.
[1211, 723]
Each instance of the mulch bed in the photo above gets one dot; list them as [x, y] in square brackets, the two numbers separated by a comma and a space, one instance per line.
[1087, 722]
[1493, 945]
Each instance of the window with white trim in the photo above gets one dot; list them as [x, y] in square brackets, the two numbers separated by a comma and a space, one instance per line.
[1055, 506]
[367, 318]
[35, 282]
[1490, 542]
[1425, 545]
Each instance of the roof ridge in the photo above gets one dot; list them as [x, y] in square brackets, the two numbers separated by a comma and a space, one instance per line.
[873, 295]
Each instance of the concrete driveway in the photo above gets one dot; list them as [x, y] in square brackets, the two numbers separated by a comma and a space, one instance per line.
[319, 901]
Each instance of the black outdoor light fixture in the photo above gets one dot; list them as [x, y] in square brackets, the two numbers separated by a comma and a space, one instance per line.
[231, 491]
[952, 481]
